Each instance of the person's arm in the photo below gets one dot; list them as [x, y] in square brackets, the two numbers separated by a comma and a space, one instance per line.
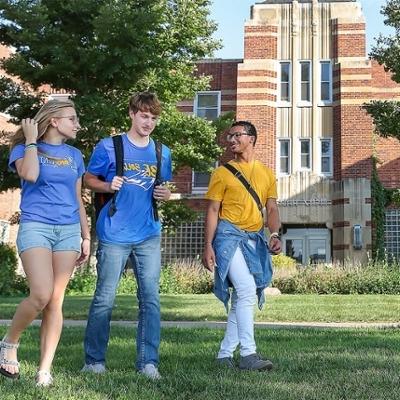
[85, 231]
[210, 227]
[273, 224]
[97, 185]
[28, 166]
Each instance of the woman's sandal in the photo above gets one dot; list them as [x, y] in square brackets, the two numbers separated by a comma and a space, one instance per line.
[4, 346]
[43, 378]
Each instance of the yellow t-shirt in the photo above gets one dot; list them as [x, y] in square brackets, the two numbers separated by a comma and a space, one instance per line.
[237, 204]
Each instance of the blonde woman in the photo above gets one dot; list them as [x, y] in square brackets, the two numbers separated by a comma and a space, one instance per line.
[53, 235]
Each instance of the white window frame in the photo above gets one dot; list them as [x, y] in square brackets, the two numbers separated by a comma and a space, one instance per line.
[309, 154]
[305, 102]
[330, 173]
[329, 101]
[203, 189]
[196, 101]
[284, 103]
[278, 167]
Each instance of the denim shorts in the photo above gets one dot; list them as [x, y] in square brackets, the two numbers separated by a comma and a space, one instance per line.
[52, 237]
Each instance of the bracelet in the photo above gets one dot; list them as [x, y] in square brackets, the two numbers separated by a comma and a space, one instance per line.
[31, 146]
[86, 238]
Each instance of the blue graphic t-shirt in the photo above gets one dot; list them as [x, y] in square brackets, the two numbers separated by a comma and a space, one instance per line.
[52, 199]
[134, 221]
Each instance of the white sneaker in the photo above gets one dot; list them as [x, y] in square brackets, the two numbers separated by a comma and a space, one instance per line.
[97, 368]
[151, 371]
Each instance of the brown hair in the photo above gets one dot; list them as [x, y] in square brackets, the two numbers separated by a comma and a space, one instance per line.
[49, 110]
[145, 101]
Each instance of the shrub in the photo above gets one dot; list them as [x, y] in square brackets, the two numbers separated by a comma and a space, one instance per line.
[375, 278]
[83, 281]
[183, 277]
[10, 282]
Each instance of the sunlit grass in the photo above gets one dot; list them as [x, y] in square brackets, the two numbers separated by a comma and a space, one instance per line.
[285, 308]
[309, 364]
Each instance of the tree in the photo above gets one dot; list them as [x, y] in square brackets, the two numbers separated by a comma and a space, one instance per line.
[104, 50]
[386, 114]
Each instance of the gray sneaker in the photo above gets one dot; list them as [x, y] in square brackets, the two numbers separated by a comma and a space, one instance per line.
[254, 362]
[97, 368]
[226, 362]
[151, 371]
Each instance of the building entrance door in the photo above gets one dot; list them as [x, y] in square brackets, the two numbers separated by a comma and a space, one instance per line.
[308, 246]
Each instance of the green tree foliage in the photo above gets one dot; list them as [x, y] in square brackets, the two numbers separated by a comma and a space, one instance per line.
[104, 50]
[386, 114]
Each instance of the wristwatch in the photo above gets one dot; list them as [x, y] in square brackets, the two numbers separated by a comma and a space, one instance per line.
[275, 235]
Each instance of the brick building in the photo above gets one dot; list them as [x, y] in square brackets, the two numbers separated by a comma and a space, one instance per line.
[302, 82]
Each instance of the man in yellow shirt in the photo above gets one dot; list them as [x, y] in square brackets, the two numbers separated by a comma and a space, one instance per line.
[235, 242]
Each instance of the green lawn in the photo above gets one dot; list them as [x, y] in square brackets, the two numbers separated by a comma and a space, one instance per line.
[309, 364]
[292, 308]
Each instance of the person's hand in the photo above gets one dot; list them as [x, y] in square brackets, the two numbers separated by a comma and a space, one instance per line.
[275, 245]
[161, 192]
[209, 257]
[85, 252]
[116, 183]
[30, 129]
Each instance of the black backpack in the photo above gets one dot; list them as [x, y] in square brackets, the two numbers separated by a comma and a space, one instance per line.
[101, 199]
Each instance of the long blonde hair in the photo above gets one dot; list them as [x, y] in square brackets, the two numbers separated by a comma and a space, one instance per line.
[43, 117]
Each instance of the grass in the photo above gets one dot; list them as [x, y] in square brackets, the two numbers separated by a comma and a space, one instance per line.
[293, 308]
[309, 364]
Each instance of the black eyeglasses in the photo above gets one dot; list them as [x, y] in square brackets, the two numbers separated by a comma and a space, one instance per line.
[236, 135]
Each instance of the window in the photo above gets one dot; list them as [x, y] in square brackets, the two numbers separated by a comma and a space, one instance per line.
[326, 156]
[285, 95]
[305, 82]
[207, 105]
[326, 81]
[305, 153]
[284, 156]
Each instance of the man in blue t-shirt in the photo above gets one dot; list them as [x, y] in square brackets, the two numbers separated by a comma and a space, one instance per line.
[132, 232]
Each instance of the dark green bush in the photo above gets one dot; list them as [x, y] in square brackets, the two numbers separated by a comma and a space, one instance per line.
[376, 278]
[10, 282]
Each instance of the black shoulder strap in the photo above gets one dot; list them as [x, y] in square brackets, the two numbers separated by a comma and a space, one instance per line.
[246, 184]
[119, 154]
[158, 180]
[119, 166]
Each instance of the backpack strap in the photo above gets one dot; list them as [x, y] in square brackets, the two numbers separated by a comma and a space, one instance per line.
[246, 184]
[119, 165]
[158, 180]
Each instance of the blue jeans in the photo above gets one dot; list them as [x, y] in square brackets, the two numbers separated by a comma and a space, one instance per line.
[111, 260]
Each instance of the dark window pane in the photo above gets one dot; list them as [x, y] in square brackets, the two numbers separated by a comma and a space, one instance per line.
[305, 72]
[305, 146]
[285, 70]
[325, 146]
[207, 100]
[201, 179]
[325, 165]
[207, 113]
[284, 148]
[284, 165]
[284, 92]
[325, 91]
[325, 72]
[294, 249]
[305, 91]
